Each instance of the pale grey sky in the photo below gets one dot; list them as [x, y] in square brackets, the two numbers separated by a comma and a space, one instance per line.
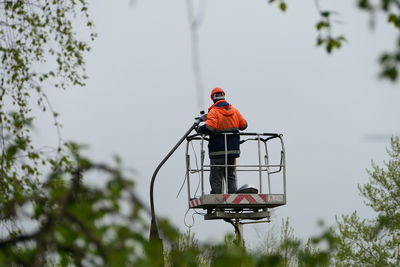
[140, 99]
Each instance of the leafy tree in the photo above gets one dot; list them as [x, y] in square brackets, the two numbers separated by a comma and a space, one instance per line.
[376, 241]
[288, 250]
[65, 218]
[78, 222]
[38, 49]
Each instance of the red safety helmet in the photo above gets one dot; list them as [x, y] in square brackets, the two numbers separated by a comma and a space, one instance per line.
[215, 91]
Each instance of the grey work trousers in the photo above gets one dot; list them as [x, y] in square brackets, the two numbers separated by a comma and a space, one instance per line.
[217, 176]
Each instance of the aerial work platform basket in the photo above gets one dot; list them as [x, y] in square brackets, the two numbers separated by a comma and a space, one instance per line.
[266, 169]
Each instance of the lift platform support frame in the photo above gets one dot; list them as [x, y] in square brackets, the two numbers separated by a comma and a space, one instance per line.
[234, 208]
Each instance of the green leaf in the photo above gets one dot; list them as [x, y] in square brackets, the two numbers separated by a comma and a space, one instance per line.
[283, 6]
[325, 14]
[85, 163]
[329, 47]
[394, 19]
[11, 151]
[390, 73]
[364, 4]
[320, 41]
[322, 24]
[384, 58]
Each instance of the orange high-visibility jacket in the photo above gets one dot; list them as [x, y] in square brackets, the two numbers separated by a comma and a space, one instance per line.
[223, 117]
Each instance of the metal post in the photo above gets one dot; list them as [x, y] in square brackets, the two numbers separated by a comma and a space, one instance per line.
[284, 166]
[226, 165]
[239, 233]
[268, 172]
[202, 165]
[259, 162]
[238, 230]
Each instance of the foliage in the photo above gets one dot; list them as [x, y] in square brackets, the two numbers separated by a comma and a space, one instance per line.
[389, 60]
[376, 241]
[80, 222]
[287, 250]
[326, 37]
[281, 4]
[38, 47]
[390, 9]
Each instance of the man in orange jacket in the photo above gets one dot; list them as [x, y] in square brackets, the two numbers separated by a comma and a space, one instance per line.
[222, 117]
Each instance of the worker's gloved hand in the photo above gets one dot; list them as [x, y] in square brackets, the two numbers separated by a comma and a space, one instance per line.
[203, 117]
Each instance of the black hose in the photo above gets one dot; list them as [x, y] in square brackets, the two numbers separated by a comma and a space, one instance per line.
[154, 233]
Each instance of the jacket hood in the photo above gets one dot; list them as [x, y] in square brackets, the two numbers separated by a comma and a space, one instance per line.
[224, 107]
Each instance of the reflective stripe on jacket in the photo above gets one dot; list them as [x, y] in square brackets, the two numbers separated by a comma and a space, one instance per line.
[223, 117]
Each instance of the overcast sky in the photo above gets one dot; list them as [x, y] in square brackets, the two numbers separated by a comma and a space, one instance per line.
[140, 99]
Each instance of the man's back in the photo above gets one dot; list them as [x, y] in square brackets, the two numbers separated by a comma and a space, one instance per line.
[222, 117]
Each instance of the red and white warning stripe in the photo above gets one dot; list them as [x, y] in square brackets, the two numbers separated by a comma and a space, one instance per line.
[245, 198]
[195, 202]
